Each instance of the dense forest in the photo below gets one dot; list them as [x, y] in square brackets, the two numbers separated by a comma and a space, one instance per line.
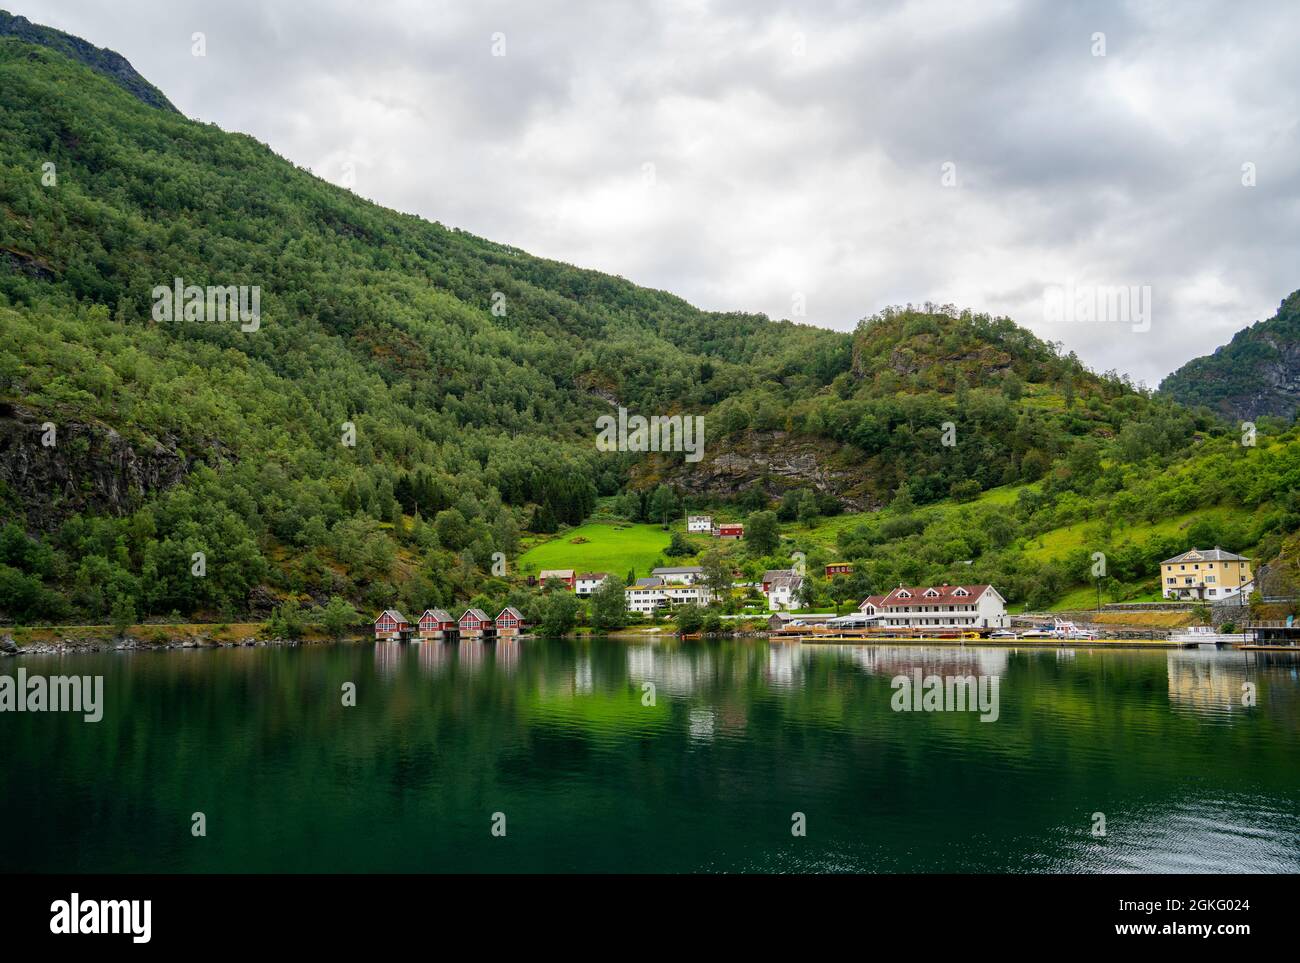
[414, 399]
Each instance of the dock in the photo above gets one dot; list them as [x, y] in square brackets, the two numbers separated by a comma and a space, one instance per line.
[867, 637]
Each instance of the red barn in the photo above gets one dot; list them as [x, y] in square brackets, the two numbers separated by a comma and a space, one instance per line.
[474, 624]
[437, 625]
[838, 568]
[731, 531]
[392, 626]
[510, 623]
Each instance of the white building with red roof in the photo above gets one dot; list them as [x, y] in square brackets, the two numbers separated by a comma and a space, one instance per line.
[588, 582]
[939, 607]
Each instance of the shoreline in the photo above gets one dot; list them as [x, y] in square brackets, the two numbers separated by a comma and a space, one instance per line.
[71, 645]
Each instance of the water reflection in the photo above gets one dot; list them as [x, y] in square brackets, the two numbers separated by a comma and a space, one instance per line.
[597, 777]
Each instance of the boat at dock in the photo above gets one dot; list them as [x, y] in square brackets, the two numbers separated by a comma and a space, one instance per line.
[1196, 636]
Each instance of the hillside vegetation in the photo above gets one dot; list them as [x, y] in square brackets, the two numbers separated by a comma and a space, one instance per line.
[1256, 373]
[416, 401]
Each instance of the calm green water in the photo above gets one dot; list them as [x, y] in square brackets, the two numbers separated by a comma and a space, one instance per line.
[742, 735]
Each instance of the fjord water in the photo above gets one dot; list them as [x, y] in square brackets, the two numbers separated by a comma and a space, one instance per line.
[556, 735]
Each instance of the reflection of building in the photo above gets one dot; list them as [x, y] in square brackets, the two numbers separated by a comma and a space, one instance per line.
[387, 656]
[1213, 574]
[434, 658]
[784, 663]
[640, 662]
[506, 654]
[582, 679]
[676, 672]
[469, 654]
[1205, 680]
[892, 660]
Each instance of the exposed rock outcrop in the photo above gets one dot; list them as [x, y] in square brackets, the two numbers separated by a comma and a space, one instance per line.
[1256, 373]
[774, 460]
[89, 467]
[99, 59]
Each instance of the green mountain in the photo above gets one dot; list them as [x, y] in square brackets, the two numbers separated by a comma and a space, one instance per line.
[105, 62]
[1255, 374]
[410, 403]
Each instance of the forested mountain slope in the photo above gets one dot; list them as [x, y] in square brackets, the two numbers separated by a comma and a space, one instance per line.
[413, 397]
[1256, 373]
[178, 436]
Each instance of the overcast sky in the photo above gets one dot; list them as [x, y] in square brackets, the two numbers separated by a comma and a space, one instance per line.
[755, 155]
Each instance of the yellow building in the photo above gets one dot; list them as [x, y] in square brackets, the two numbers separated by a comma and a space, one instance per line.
[1209, 576]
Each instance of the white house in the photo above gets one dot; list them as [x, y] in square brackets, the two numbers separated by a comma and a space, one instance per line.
[679, 575]
[699, 523]
[782, 592]
[939, 607]
[648, 595]
[588, 582]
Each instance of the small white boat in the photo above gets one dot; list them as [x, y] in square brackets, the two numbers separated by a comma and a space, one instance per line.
[1197, 635]
[1063, 629]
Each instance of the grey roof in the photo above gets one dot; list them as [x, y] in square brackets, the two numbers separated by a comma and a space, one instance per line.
[1209, 555]
[439, 615]
[648, 582]
[680, 570]
[772, 573]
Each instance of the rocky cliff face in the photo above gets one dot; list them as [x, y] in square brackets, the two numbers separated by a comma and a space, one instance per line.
[1256, 373]
[774, 460]
[88, 467]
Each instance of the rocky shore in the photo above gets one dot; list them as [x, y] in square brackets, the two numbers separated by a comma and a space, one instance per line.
[130, 643]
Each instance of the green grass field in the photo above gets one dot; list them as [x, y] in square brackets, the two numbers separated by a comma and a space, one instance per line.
[1060, 541]
[613, 547]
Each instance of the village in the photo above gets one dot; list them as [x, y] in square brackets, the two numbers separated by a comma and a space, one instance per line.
[941, 613]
